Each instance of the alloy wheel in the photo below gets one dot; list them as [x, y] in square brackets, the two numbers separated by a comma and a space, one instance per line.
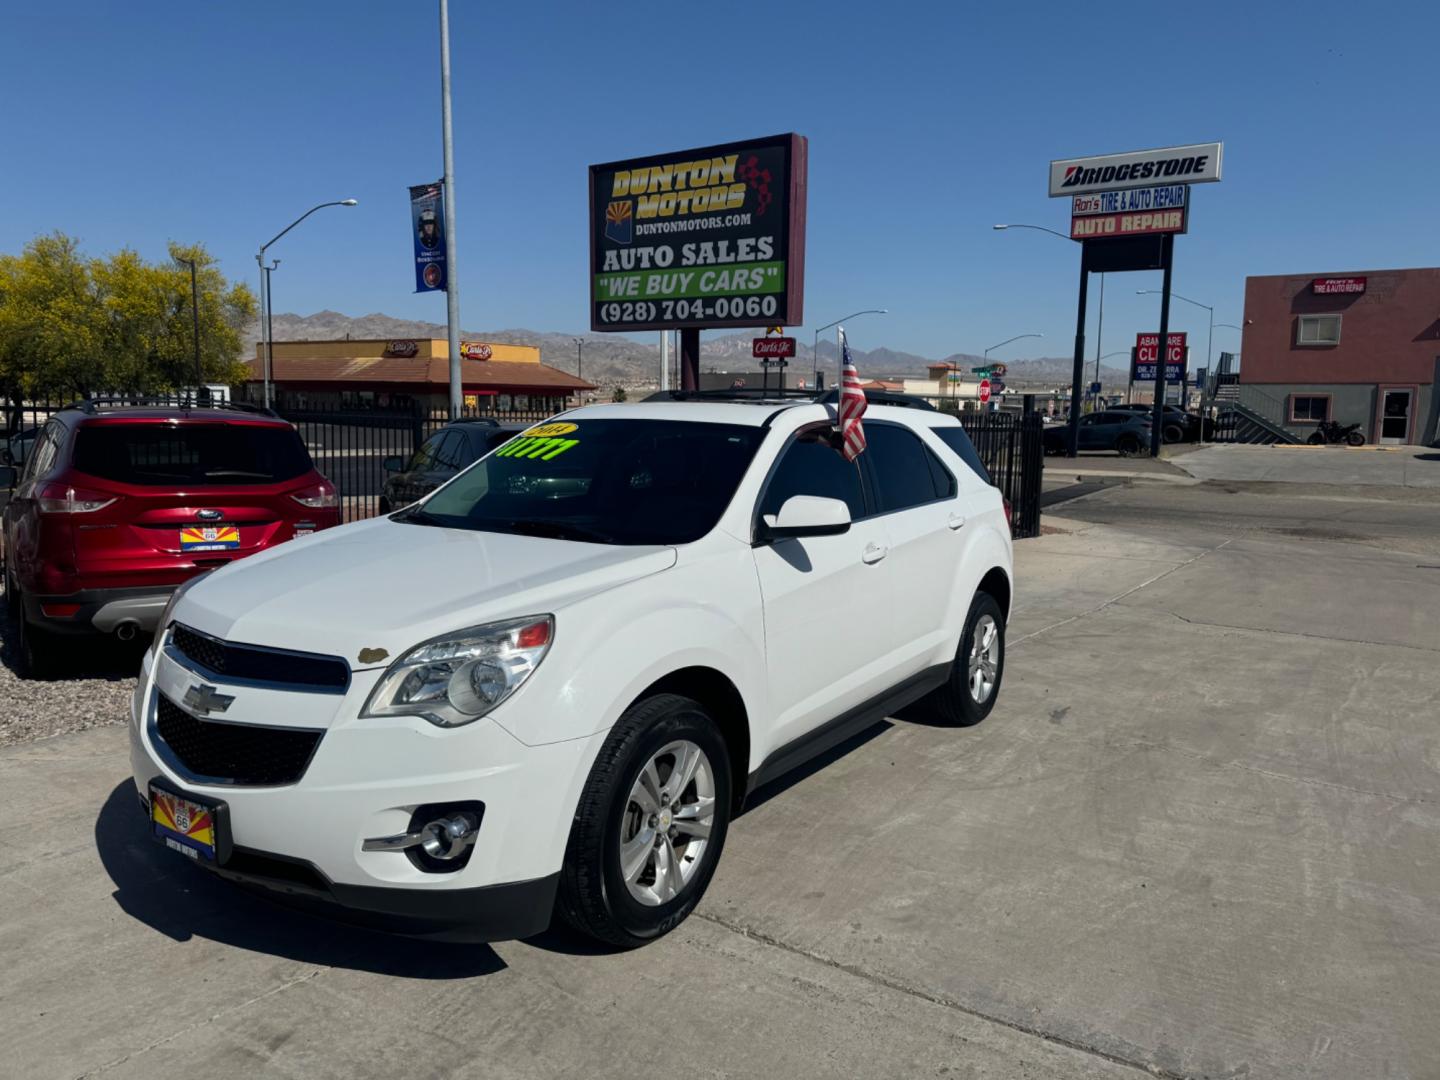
[666, 827]
[984, 658]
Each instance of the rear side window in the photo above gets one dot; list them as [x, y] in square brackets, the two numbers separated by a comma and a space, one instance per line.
[905, 473]
[959, 441]
[811, 466]
[160, 455]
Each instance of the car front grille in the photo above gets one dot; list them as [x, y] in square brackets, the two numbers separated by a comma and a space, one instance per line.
[246, 754]
[254, 662]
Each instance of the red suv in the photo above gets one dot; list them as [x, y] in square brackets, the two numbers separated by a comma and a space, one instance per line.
[117, 505]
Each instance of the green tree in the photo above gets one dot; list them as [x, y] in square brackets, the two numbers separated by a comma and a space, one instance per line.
[619, 395]
[71, 326]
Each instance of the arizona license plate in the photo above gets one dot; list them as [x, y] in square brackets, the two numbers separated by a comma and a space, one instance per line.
[209, 538]
[184, 825]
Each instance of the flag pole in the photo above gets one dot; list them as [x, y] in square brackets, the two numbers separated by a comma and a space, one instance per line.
[839, 371]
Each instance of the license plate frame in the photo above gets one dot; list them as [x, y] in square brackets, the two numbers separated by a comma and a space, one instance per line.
[209, 537]
[192, 825]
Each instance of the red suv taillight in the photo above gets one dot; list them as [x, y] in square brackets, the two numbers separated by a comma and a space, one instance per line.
[65, 499]
[1009, 514]
[319, 497]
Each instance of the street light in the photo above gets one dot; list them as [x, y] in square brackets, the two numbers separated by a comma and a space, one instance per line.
[265, 291]
[1100, 314]
[1161, 349]
[815, 348]
[1017, 337]
[579, 359]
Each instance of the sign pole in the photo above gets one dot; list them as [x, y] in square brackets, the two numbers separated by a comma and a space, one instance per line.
[1079, 372]
[452, 286]
[689, 358]
[1162, 355]
[664, 360]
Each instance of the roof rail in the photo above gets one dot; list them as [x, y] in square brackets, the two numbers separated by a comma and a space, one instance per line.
[737, 393]
[92, 405]
[882, 397]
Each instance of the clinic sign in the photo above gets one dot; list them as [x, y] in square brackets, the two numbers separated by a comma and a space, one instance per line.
[1102, 215]
[1147, 347]
[1198, 163]
[709, 237]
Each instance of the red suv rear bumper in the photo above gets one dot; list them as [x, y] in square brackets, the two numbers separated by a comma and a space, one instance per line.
[99, 610]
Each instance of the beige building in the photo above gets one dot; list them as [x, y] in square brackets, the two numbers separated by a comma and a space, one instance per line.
[396, 372]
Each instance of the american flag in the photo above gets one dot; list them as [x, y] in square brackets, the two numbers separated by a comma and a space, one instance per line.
[852, 405]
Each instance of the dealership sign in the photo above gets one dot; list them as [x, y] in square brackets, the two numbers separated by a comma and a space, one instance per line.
[1197, 164]
[1337, 286]
[711, 237]
[1147, 347]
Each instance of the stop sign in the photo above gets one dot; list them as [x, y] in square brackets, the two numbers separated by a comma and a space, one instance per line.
[984, 391]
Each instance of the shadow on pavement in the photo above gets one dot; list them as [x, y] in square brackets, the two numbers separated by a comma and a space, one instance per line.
[182, 902]
[90, 656]
[781, 784]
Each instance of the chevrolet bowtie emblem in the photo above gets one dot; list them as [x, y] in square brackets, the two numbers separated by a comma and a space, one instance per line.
[204, 699]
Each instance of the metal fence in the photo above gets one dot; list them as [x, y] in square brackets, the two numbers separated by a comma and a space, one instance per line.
[349, 446]
[1010, 446]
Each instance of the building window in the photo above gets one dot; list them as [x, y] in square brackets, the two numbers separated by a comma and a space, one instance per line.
[1309, 408]
[1318, 330]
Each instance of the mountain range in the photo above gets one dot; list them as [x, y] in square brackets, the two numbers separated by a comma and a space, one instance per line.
[612, 359]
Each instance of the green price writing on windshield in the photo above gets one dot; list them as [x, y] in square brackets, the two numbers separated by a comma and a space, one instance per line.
[538, 447]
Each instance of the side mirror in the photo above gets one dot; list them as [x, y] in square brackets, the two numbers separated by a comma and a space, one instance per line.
[393, 464]
[806, 515]
[8, 475]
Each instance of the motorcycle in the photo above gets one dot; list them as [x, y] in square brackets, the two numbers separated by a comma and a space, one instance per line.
[1332, 431]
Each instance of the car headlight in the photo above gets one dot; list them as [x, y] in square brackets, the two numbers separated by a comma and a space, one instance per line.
[170, 604]
[458, 678]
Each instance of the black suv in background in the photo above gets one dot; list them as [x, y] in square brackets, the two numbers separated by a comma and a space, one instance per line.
[1180, 426]
[454, 447]
[1124, 432]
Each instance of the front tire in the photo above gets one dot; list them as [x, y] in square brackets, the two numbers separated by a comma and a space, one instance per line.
[974, 683]
[650, 826]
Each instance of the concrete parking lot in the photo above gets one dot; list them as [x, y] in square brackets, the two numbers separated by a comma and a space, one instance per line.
[1199, 837]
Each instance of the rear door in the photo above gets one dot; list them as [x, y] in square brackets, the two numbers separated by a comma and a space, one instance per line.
[826, 598]
[187, 493]
[918, 499]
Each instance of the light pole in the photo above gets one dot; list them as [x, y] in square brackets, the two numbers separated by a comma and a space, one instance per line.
[1162, 348]
[452, 280]
[1099, 327]
[986, 354]
[195, 318]
[815, 348]
[265, 281]
[579, 359]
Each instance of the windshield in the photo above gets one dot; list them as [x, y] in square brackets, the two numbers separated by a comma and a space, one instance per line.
[191, 454]
[602, 481]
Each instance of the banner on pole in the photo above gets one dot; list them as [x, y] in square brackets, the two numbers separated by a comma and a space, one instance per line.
[427, 225]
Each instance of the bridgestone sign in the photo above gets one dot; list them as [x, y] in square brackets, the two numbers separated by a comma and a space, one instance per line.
[1197, 164]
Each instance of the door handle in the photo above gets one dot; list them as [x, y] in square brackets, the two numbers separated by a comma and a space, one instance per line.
[955, 521]
[873, 553]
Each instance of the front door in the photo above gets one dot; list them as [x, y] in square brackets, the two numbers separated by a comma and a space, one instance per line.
[1395, 416]
[826, 598]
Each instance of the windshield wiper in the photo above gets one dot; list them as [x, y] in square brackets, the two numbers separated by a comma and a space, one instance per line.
[557, 530]
[417, 516]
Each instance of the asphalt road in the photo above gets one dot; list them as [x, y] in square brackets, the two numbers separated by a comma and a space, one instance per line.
[1196, 838]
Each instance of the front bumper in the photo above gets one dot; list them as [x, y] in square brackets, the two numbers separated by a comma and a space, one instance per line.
[303, 840]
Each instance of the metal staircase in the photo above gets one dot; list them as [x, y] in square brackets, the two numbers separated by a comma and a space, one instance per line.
[1244, 414]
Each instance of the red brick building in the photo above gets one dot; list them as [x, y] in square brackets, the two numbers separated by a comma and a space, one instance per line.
[1358, 347]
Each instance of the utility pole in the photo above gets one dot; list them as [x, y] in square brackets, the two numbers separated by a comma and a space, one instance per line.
[452, 285]
[664, 360]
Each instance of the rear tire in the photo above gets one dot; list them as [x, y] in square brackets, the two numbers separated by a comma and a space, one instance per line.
[625, 843]
[1316, 439]
[1173, 433]
[974, 683]
[1127, 445]
[1355, 439]
[36, 652]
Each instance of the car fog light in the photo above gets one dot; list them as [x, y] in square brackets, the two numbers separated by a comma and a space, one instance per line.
[449, 838]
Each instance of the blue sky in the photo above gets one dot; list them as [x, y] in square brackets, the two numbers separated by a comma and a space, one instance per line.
[132, 124]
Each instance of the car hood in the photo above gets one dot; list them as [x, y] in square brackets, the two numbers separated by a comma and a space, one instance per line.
[382, 585]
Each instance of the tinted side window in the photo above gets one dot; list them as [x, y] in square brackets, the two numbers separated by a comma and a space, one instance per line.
[811, 467]
[425, 457]
[46, 447]
[959, 441]
[450, 452]
[901, 468]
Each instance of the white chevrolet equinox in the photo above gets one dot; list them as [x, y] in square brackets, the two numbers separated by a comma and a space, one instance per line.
[550, 685]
